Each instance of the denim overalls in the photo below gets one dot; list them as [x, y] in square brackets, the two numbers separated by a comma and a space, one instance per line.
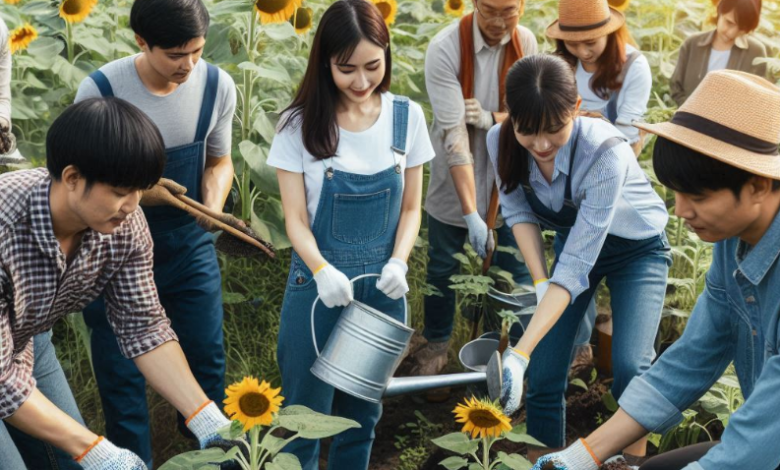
[636, 272]
[355, 227]
[188, 281]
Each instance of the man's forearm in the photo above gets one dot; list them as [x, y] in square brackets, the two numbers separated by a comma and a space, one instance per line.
[217, 181]
[41, 419]
[463, 179]
[167, 371]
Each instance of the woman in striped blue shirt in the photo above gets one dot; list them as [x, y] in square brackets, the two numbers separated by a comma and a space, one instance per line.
[578, 177]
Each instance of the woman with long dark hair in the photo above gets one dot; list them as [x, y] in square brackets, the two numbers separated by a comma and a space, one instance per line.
[349, 159]
[613, 77]
[578, 177]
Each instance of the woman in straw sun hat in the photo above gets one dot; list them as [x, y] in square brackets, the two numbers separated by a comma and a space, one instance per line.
[578, 177]
[719, 154]
[613, 77]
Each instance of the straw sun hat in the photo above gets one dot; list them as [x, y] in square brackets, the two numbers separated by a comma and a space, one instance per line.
[583, 20]
[733, 117]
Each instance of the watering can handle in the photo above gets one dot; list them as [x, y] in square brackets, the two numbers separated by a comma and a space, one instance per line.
[357, 278]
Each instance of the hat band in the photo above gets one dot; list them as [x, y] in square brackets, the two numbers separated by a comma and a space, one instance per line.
[587, 27]
[725, 134]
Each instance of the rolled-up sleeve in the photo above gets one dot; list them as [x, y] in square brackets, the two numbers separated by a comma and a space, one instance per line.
[5, 72]
[601, 190]
[446, 97]
[16, 379]
[690, 367]
[514, 206]
[132, 304]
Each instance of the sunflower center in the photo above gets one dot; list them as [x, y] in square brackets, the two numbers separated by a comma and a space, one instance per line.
[271, 6]
[302, 18]
[73, 7]
[254, 404]
[385, 9]
[21, 35]
[483, 419]
[456, 4]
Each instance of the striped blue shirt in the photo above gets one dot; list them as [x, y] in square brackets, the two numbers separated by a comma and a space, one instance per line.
[612, 194]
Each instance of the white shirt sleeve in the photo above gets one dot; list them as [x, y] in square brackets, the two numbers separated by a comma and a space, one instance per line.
[420, 149]
[5, 72]
[632, 103]
[286, 150]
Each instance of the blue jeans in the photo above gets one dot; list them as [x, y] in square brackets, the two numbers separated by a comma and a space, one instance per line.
[351, 449]
[187, 276]
[17, 449]
[636, 273]
[444, 241]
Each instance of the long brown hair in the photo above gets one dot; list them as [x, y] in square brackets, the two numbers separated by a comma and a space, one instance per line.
[342, 27]
[541, 94]
[609, 65]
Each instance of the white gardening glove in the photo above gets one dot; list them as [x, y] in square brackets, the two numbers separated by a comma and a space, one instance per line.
[206, 424]
[106, 456]
[393, 280]
[541, 289]
[513, 372]
[479, 236]
[333, 287]
[476, 116]
[575, 457]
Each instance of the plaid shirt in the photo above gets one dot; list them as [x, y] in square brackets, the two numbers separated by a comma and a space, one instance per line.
[38, 286]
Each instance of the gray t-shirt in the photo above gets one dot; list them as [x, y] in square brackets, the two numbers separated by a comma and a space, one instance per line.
[176, 114]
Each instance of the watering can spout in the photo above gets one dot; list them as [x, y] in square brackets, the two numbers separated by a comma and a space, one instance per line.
[406, 385]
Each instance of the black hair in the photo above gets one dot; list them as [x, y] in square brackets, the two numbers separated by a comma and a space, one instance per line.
[684, 170]
[109, 141]
[541, 94]
[169, 23]
[342, 27]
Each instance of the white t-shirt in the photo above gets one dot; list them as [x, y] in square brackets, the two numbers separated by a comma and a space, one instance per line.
[718, 60]
[632, 101]
[365, 153]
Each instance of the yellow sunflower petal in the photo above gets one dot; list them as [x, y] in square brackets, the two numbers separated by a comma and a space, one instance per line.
[620, 5]
[252, 403]
[12, 2]
[302, 20]
[276, 11]
[75, 11]
[388, 8]
[481, 418]
[454, 7]
[21, 37]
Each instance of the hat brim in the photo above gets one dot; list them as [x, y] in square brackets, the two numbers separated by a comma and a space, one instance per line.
[755, 163]
[616, 20]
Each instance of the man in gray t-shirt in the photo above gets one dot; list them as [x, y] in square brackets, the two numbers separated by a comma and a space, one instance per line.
[192, 103]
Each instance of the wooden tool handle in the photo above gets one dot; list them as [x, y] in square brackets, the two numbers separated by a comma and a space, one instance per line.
[492, 217]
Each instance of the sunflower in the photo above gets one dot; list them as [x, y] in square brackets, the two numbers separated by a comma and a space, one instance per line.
[75, 11]
[21, 37]
[481, 418]
[388, 8]
[620, 5]
[454, 7]
[12, 2]
[252, 403]
[276, 11]
[301, 20]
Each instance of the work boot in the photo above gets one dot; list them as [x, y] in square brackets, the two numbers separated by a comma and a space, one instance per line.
[415, 344]
[430, 359]
[583, 360]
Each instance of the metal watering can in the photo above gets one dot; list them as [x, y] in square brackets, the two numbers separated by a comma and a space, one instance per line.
[364, 350]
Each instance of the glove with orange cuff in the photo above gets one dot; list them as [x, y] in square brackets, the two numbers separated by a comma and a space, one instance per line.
[103, 455]
[577, 456]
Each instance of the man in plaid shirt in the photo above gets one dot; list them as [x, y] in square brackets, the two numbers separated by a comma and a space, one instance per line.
[67, 234]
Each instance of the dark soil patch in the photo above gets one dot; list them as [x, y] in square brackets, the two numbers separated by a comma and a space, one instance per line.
[232, 246]
[619, 465]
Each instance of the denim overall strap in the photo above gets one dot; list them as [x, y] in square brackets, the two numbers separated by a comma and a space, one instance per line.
[611, 110]
[185, 163]
[400, 123]
[102, 83]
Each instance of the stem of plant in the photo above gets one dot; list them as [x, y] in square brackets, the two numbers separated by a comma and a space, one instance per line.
[69, 38]
[254, 441]
[485, 453]
[244, 187]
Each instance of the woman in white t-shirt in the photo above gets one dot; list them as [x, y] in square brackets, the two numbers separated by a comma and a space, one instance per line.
[349, 159]
[613, 77]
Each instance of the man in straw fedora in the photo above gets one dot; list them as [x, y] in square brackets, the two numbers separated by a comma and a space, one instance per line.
[465, 67]
[719, 154]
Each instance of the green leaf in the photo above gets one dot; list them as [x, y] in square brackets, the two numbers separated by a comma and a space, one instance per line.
[610, 402]
[312, 425]
[233, 431]
[197, 459]
[518, 435]
[514, 461]
[284, 462]
[271, 72]
[272, 443]
[457, 442]
[579, 383]
[279, 31]
[264, 127]
[454, 463]
[45, 51]
[264, 175]
[231, 298]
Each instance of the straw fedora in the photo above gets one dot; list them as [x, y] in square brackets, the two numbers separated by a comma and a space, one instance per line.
[583, 20]
[733, 117]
